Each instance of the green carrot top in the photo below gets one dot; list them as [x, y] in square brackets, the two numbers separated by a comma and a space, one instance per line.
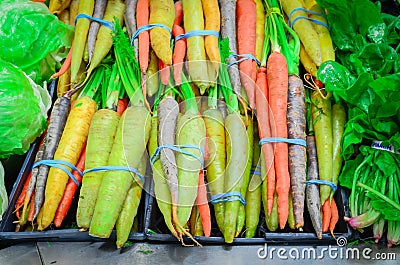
[112, 89]
[127, 65]
[188, 96]
[276, 39]
[213, 97]
[224, 83]
[91, 88]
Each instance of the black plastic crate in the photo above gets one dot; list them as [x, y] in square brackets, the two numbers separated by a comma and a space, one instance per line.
[157, 231]
[307, 236]
[7, 226]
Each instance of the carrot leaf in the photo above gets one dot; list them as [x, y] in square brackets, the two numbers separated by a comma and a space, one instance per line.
[127, 64]
[224, 83]
[190, 99]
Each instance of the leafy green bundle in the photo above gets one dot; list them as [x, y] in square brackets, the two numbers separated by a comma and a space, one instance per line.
[367, 79]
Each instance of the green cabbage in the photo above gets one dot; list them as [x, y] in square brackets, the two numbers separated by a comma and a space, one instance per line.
[23, 108]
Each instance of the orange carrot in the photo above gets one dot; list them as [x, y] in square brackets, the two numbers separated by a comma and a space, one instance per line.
[202, 205]
[246, 38]
[334, 216]
[327, 214]
[164, 72]
[31, 213]
[142, 18]
[180, 45]
[122, 105]
[264, 128]
[34, 174]
[64, 68]
[162, 12]
[277, 77]
[21, 198]
[69, 193]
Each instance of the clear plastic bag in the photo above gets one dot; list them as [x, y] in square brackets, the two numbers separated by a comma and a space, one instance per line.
[32, 38]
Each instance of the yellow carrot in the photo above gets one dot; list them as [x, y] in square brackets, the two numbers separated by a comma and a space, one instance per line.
[57, 6]
[304, 29]
[152, 80]
[162, 12]
[212, 22]
[64, 83]
[196, 54]
[73, 11]
[328, 53]
[307, 62]
[69, 149]
[64, 16]
[260, 33]
[81, 33]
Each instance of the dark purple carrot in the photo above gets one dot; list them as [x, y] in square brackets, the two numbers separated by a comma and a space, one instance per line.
[312, 191]
[99, 8]
[228, 30]
[33, 178]
[57, 122]
[296, 118]
[130, 22]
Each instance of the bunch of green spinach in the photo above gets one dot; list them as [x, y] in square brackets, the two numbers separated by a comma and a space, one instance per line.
[366, 77]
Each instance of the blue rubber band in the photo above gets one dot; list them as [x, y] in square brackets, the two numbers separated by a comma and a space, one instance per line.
[197, 33]
[244, 56]
[115, 168]
[149, 27]
[228, 197]
[312, 20]
[291, 23]
[307, 11]
[322, 182]
[179, 149]
[60, 165]
[255, 166]
[106, 23]
[283, 140]
[255, 172]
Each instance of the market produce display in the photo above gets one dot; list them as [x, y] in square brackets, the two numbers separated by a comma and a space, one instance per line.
[252, 115]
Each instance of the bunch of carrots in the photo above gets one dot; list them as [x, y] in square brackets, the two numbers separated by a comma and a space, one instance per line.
[254, 141]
